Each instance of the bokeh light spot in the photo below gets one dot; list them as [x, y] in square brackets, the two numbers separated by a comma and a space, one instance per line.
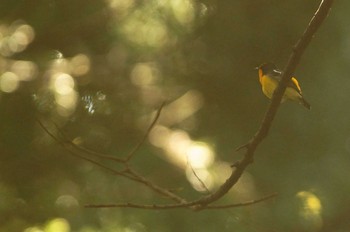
[28, 33]
[15, 38]
[66, 103]
[33, 229]
[9, 82]
[65, 95]
[57, 225]
[67, 201]
[159, 136]
[143, 74]
[200, 155]
[80, 65]
[183, 107]
[64, 83]
[200, 179]
[121, 7]
[144, 30]
[183, 11]
[25, 70]
[176, 147]
[311, 209]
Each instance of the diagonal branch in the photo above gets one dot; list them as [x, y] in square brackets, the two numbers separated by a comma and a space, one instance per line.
[127, 172]
[155, 119]
[240, 166]
[63, 144]
[252, 145]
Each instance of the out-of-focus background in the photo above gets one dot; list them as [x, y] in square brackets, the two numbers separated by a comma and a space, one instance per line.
[98, 71]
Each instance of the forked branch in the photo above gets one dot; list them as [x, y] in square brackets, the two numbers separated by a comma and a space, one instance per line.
[207, 201]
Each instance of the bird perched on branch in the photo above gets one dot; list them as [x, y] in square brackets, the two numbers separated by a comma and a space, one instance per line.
[269, 77]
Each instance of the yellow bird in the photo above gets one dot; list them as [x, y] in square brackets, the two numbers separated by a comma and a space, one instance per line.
[269, 77]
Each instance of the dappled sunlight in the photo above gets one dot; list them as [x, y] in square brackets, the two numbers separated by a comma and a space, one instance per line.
[200, 179]
[63, 83]
[148, 25]
[64, 75]
[121, 7]
[9, 82]
[222, 171]
[245, 188]
[145, 31]
[65, 95]
[194, 157]
[144, 74]
[67, 202]
[25, 70]
[183, 11]
[66, 103]
[80, 65]
[182, 108]
[17, 71]
[60, 64]
[310, 210]
[76, 66]
[33, 229]
[15, 38]
[180, 149]
[57, 225]
[200, 155]
[159, 136]
[176, 147]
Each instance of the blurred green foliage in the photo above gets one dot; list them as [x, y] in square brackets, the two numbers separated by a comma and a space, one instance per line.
[97, 70]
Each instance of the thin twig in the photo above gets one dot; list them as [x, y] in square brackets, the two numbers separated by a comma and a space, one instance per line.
[155, 119]
[197, 177]
[68, 142]
[252, 202]
[162, 191]
[174, 206]
[109, 157]
[251, 146]
[127, 172]
[118, 173]
[97, 154]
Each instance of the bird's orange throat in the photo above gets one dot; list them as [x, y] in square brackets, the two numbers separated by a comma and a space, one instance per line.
[260, 75]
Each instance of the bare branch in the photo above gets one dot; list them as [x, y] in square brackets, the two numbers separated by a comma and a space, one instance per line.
[156, 188]
[135, 149]
[127, 172]
[114, 172]
[251, 146]
[113, 158]
[197, 177]
[68, 142]
[252, 202]
[186, 205]
[97, 154]
[239, 166]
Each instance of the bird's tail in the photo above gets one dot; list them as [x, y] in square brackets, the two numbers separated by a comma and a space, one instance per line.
[305, 103]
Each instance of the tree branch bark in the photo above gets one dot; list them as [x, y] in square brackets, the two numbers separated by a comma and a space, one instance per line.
[240, 166]
[263, 131]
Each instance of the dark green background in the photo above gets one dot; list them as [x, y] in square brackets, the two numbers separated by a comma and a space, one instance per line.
[214, 54]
